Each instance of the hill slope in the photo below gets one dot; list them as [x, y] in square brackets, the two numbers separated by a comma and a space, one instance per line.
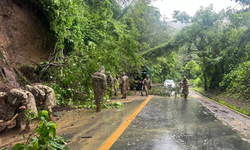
[23, 40]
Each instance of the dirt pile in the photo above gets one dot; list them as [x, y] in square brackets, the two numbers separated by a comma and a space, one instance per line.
[23, 40]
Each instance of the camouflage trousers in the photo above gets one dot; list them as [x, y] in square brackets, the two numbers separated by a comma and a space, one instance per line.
[98, 101]
[12, 110]
[115, 89]
[146, 89]
[124, 93]
[2, 126]
[49, 103]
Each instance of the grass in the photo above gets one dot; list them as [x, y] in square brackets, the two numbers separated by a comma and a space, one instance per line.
[241, 110]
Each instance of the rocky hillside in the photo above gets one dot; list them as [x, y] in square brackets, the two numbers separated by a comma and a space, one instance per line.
[23, 40]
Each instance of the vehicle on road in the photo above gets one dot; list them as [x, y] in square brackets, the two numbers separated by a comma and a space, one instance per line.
[169, 84]
[136, 78]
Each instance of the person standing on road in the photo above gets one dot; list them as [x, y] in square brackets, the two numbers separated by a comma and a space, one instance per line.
[116, 84]
[100, 86]
[45, 97]
[147, 84]
[109, 83]
[185, 84]
[124, 85]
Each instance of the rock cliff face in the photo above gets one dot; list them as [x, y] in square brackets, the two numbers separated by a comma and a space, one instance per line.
[23, 39]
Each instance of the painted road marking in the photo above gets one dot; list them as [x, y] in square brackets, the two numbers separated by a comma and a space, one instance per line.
[120, 130]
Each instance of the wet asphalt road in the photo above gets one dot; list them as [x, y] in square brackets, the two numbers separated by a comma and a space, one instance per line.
[176, 124]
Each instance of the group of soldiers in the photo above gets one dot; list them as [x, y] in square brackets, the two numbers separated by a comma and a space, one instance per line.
[15, 102]
[102, 84]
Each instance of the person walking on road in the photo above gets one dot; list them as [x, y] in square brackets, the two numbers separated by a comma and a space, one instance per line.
[100, 86]
[185, 84]
[116, 82]
[124, 85]
[109, 84]
[147, 84]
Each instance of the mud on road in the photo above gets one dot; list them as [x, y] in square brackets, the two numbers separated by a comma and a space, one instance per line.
[237, 121]
[85, 129]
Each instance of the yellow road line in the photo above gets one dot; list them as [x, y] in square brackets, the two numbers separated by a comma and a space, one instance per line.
[120, 130]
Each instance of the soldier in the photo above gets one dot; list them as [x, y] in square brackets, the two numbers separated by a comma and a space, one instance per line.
[180, 87]
[147, 84]
[45, 97]
[185, 84]
[20, 99]
[116, 84]
[109, 83]
[3, 112]
[124, 85]
[100, 86]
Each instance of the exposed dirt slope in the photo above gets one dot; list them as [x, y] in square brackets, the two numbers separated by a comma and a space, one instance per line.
[23, 39]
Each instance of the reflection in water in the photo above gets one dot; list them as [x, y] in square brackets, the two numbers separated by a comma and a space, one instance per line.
[170, 124]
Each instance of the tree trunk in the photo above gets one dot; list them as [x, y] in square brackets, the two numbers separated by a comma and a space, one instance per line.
[205, 73]
[205, 79]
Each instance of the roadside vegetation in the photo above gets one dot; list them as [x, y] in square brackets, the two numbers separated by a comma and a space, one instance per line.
[212, 50]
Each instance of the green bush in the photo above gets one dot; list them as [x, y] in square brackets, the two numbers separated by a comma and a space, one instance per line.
[237, 81]
[43, 137]
[198, 82]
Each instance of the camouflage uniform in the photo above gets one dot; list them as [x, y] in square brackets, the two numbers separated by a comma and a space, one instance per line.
[100, 86]
[3, 112]
[109, 83]
[44, 94]
[124, 85]
[17, 98]
[31, 104]
[147, 84]
[180, 87]
[116, 82]
[185, 84]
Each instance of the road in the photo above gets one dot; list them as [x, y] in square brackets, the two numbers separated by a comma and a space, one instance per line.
[176, 124]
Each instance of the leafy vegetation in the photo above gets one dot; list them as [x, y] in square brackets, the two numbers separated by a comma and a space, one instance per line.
[212, 49]
[91, 33]
[43, 137]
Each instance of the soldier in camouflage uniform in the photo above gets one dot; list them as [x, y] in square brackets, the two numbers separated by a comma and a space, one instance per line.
[124, 85]
[45, 97]
[3, 112]
[100, 86]
[109, 83]
[147, 84]
[185, 84]
[20, 99]
[116, 84]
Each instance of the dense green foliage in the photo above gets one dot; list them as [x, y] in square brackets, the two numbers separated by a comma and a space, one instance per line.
[221, 42]
[43, 137]
[124, 35]
[91, 33]
[192, 70]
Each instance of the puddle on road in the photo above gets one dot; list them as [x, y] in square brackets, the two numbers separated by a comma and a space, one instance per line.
[173, 123]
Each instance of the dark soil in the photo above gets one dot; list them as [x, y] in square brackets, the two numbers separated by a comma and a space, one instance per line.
[28, 72]
[62, 108]
[11, 76]
[233, 99]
